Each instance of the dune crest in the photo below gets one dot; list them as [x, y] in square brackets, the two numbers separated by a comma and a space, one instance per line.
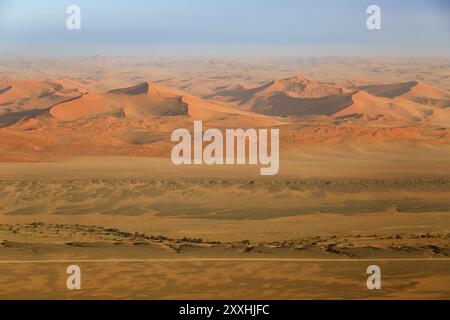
[379, 111]
[149, 100]
[295, 87]
[413, 91]
[137, 119]
[25, 95]
[303, 87]
[85, 106]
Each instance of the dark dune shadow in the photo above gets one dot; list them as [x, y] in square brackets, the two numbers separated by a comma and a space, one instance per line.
[283, 105]
[389, 90]
[11, 118]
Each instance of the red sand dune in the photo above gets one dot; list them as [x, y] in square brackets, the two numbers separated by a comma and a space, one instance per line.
[380, 104]
[294, 87]
[143, 100]
[385, 112]
[414, 91]
[23, 95]
[87, 106]
[138, 120]
[302, 87]
[296, 96]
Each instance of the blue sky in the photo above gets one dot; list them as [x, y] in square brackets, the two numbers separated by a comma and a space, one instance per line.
[228, 27]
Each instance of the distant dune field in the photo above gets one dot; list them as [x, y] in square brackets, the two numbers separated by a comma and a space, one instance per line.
[86, 177]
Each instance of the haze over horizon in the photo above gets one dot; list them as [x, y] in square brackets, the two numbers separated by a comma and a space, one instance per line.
[234, 150]
[229, 28]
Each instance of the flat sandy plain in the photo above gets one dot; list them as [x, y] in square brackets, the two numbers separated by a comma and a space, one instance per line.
[148, 236]
[94, 193]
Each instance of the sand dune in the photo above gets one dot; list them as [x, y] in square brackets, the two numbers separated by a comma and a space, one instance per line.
[144, 100]
[295, 96]
[137, 120]
[134, 120]
[426, 94]
[414, 91]
[88, 105]
[26, 99]
[389, 90]
[303, 87]
[24, 95]
[280, 104]
[69, 83]
[294, 87]
[12, 89]
[137, 101]
[375, 105]
[384, 105]
[385, 112]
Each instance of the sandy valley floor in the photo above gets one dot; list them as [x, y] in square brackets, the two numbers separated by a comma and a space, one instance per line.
[200, 236]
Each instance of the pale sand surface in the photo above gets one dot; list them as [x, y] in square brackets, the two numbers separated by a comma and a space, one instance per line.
[227, 280]
[121, 265]
[146, 221]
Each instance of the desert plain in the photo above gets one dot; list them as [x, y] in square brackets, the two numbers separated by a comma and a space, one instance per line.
[86, 178]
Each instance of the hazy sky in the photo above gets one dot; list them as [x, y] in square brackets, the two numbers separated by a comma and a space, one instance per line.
[225, 27]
